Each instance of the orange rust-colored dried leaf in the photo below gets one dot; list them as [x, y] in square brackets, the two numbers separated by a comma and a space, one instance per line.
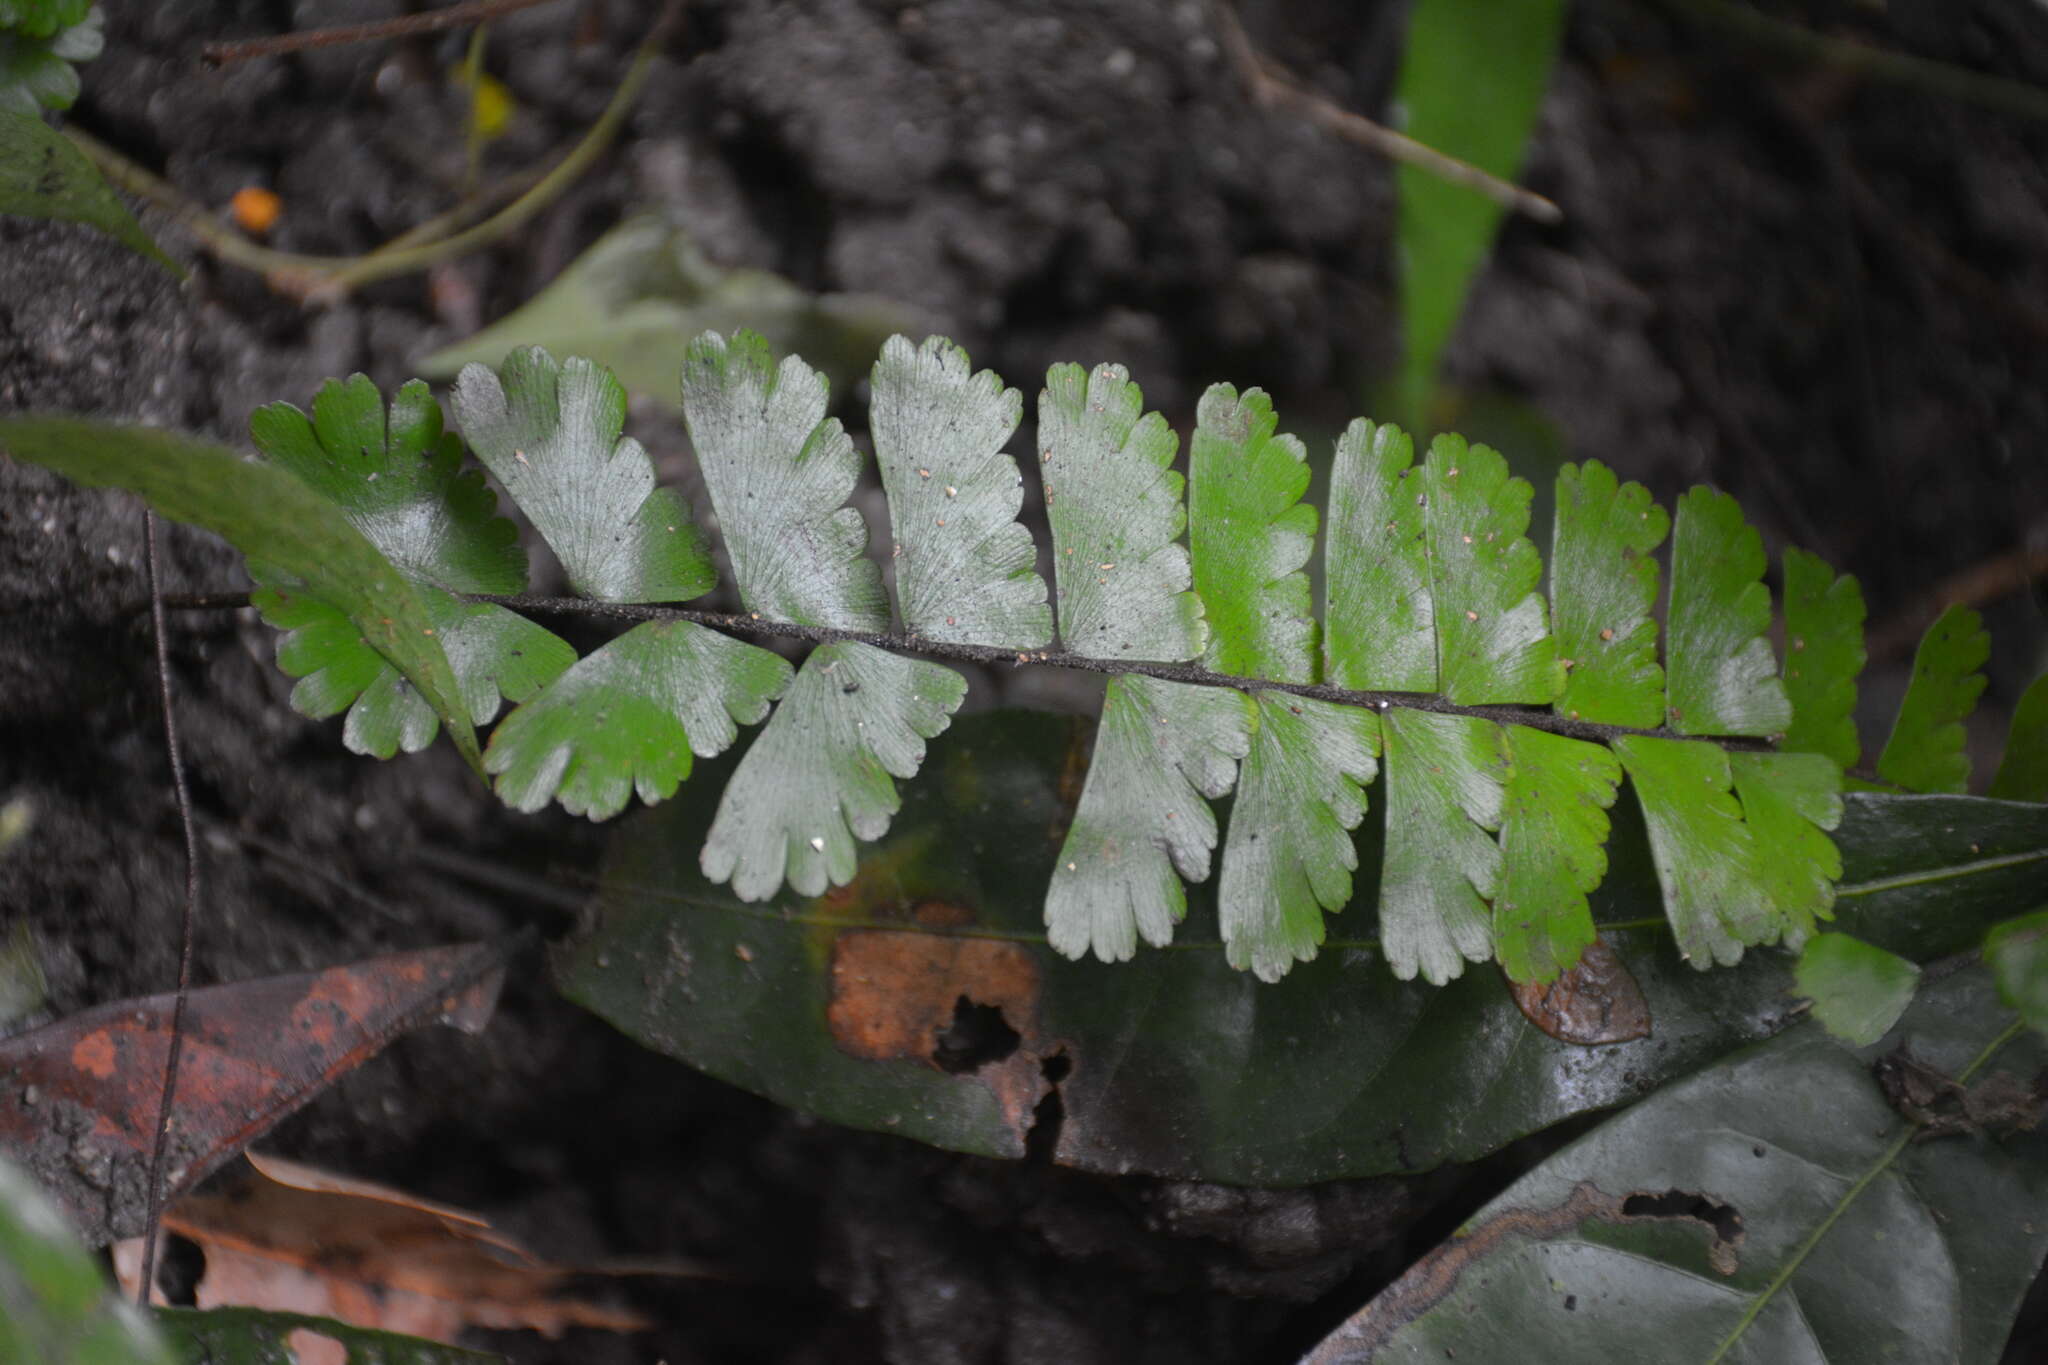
[1596, 1002]
[79, 1098]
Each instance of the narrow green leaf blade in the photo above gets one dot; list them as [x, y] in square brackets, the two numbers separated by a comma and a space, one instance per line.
[779, 472]
[1858, 989]
[1445, 780]
[1823, 657]
[1553, 840]
[1249, 534]
[270, 517]
[1116, 512]
[551, 432]
[819, 776]
[965, 567]
[1705, 856]
[400, 483]
[1789, 803]
[1603, 586]
[1854, 1242]
[2023, 770]
[1379, 624]
[42, 175]
[1288, 856]
[1142, 824]
[2018, 953]
[258, 1336]
[1720, 675]
[628, 716]
[1492, 626]
[1926, 751]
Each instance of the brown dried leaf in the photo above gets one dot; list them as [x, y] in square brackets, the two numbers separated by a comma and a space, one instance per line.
[1593, 1003]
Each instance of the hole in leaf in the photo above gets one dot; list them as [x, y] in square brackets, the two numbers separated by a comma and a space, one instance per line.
[179, 1264]
[977, 1036]
[1720, 1220]
[1044, 1137]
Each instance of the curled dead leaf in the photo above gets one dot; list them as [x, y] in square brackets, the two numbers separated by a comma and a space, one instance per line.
[1593, 1003]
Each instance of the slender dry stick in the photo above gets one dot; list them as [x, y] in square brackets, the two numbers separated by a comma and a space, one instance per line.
[1272, 84]
[188, 920]
[1984, 581]
[405, 26]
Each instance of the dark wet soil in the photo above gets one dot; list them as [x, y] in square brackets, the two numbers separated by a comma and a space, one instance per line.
[1821, 292]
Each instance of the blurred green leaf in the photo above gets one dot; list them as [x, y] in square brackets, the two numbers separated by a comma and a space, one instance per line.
[1926, 750]
[2018, 953]
[56, 1307]
[254, 1336]
[1858, 989]
[42, 175]
[2023, 771]
[39, 53]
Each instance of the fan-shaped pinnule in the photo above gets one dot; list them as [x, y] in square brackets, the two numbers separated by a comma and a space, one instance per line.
[1445, 780]
[1116, 512]
[1603, 589]
[1379, 624]
[1823, 656]
[1720, 675]
[779, 472]
[551, 433]
[1553, 840]
[965, 567]
[1492, 625]
[1927, 751]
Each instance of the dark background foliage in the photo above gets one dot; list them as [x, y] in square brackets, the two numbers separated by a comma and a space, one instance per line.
[1824, 293]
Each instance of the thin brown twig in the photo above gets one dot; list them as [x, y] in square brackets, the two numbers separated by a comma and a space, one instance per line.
[1272, 84]
[1985, 581]
[159, 1154]
[404, 26]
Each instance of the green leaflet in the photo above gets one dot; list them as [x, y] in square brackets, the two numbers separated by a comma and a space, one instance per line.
[1288, 856]
[1858, 989]
[2018, 953]
[779, 473]
[1445, 777]
[818, 777]
[1926, 751]
[1249, 533]
[1705, 856]
[550, 432]
[1789, 802]
[37, 63]
[1115, 508]
[1720, 675]
[2023, 771]
[55, 1306]
[43, 175]
[401, 482]
[1603, 586]
[1553, 839]
[1379, 630]
[1823, 655]
[1492, 626]
[965, 568]
[1142, 823]
[628, 716]
[280, 524]
[255, 1336]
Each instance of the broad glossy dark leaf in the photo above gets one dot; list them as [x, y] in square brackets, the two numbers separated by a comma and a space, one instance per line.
[847, 1005]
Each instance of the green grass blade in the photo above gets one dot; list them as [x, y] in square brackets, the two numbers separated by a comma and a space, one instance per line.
[1288, 856]
[1445, 779]
[1115, 507]
[1379, 628]
[1553, 841]
[1492, 626]
[1720, 674]
[2023, 771]
[1823, 656]
[1858, 989]
[820, 776]
[965, 568]
[1926, 750]
[1603, 587]
[1249, 534]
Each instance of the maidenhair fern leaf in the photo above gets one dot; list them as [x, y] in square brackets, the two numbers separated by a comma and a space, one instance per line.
[2023, 771]
[1720, 675]
[965, 567]
[401, 482]
[1445, 780]
[627, 718]
[779, 472]
[550, 432]
[1249, 534]
[1115, 507]
[1288, 856]
[1492, 626]
[1603, 586]
[1704, 854]
[1379, 628]
[1926, 751]
[1858, 989]
[1553, 840]
[820, 776]
[1143, 823]
[1789, 803]
[321, 647]
[1823, 655]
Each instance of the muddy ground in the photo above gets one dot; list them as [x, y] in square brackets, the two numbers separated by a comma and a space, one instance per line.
[1827, 294]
